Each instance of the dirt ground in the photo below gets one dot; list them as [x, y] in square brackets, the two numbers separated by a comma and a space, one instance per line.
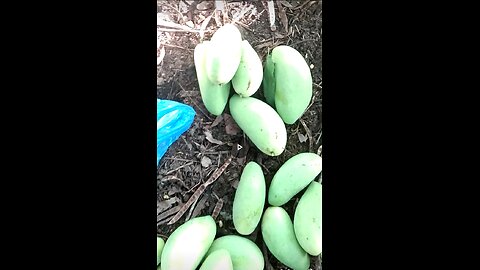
[208, 143]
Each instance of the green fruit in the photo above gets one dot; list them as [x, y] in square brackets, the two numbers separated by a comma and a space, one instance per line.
[249, 199]
[260, 123]
[160, 244]
[223, 57]
[287, 83]
[307, 221]
[244, 253]
[188, 244]
[269, 81]
[218, 260]
[214, 96]
[293, 176]
[248, 76]
[279, 237]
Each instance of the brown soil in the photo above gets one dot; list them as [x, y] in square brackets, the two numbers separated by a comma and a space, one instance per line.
[181, 169]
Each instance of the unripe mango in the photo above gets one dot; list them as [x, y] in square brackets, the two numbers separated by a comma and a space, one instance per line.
[279, 237]
[244, 253]
[214, 96]
[287, 83]
[249, 199]
[160, 245]
[293, 176]
[249, 74]
[260, 123]
[224, 54]
[307, 221]
[188, 244]
[218, 260]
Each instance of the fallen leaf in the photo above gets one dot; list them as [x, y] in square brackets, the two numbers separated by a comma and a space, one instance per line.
[231, 128]
[210, 138]
[160, 57]
[286, 3]
[205, 5]
[190, 24]
[302, 138]
[204, 26]
[217, 121]
[206, 161]
[164, 205]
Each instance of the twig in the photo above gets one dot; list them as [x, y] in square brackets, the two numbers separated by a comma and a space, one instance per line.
[218, 208]
[166, 214]
[198, 107]
[309, 134]
[311, 103]
[271, 15]
[319, 137]
[175, 46]
[301, 41]
[191, 211]
[200, 191]
[178, 168]
[180, 159]
[182, 30]
[302, 5]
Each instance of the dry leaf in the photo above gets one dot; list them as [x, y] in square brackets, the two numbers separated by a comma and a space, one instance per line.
[204, 26]
[164, 205]
[160, 57]
[210, 138]
[231, 128]
[302, 138]
[286, 3]
[217, 121]
[206, 161]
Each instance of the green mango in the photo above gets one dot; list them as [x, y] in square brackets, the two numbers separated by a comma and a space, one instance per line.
[249, 199]
[248, 77]
[188, 244]
[223, 56]
[287, 83]
[293, 176]
[307, 221]
[218, 260]
[260, 123]
[214, 96]
[279, 237]
[244, 253]
[160, 244]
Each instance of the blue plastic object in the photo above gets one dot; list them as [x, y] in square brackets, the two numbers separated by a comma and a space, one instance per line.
[173, 119]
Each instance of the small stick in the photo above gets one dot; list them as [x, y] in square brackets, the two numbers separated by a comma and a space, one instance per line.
[218, 207]
[309, 134]
[167, 213]
[178, 168]
[200, 190]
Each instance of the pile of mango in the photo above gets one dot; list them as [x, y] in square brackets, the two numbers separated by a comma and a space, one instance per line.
[225, 61]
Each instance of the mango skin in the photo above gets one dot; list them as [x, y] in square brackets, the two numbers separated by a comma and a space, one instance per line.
[214, 96]
[188, 244]
[307, 221]
[224, 54]
[269, 81]
[293, 176]
[160, 245]
[290, 91]
[218, 260]
[249, 199]
[279, 237]
[244, 253]
[260, 123]
[249, 75]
